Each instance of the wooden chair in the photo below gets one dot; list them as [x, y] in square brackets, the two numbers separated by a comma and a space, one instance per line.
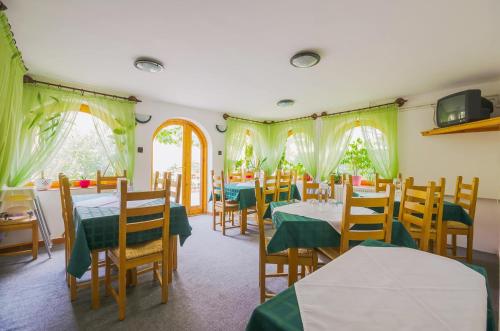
[307, 257]
[310, 190]
[466, 197]
[128, 257]
[292, 174]
[236, 177]
[417, 207]
[24, 220]
[381, 183]
[346, 179]
[69, 240]
[220, 205]
[283, 185]
[158, 180]
[332, 187]
[107, 182]
[349, 220]
[175, 184]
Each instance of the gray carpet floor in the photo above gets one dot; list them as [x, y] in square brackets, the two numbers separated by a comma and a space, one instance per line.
[214, 288]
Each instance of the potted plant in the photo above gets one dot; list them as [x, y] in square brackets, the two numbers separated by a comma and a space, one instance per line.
[356, 157]
[84, 182]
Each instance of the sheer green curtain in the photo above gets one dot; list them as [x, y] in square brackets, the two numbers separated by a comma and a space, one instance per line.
[333, 141]
[380, 132]
[259, 136]
[278, 134]
[117, 115]
[304, 137]
[11, 91]
[234, 142]
[48, 117]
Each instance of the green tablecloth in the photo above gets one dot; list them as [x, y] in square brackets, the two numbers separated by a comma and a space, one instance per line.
[304, 232]
[282, 312]
[97, 228]
[245, 195]
[451, 212]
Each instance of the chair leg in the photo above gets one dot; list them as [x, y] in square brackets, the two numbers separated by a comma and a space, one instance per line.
[262, 282]
[107, 275]
[302, 271]
[470, 237]
[122, 285]
[94, 279]
[279, 268]
[454, 245]
[155, 268]
[34, 249]
[72, 288]
[214, 213]
[223, 222]
[164, 276]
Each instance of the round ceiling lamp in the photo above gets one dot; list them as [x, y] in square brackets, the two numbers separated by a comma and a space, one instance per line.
[148, 65]
[286, 103]
[305, 59]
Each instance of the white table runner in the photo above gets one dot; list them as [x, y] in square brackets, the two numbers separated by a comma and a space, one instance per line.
[385, 288]
[331, 213]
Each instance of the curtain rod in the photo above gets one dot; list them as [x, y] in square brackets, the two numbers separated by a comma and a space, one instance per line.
[399, 101]
[3, 7]
[29, 80]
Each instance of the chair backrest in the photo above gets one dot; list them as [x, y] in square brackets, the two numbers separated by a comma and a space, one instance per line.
[143, 211]
[283, 185]
[349, 219]
[218, 188]
[260, 205]
[332, 187]
[346, 179]
[158, 180]
[416, 209]
[439, 192]
[381, 183]
[310, 190]
[466, 195]
[236, 177]
[175, 187]
[292, 174]
[67, 210]
[107, 182]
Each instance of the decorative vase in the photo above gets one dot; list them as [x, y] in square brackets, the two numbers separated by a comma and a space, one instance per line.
[356, 180]
[42, 184]
[84, 183]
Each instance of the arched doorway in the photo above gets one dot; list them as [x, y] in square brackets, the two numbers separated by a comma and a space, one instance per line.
[180, 147]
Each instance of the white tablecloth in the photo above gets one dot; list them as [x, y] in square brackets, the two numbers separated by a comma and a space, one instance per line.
[385, 288]
[110, 201]
[331, 213]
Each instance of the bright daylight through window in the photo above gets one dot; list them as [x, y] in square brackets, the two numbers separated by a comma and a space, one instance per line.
[82, 152]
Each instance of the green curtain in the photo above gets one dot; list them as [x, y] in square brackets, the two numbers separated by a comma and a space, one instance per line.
[12, 71]
[304, 136]
[380, 132]
[259, 136]
[118, 115]
[48, 117]
[333, 141]
[234, 142]
[278, 135]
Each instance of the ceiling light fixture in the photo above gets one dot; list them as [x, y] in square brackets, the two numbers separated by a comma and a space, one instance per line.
[286, 103]
[148, 65]
[305, 59]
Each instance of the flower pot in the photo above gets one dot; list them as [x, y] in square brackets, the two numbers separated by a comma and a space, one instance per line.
[84, 183]
[356, 180]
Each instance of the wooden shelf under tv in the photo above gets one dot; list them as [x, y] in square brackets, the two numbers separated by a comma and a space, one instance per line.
[491, 124]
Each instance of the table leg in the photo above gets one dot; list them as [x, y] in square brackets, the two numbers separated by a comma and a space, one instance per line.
[293, 258]
[244, 217]
[94, 285]
[174, 253]
[170, 258]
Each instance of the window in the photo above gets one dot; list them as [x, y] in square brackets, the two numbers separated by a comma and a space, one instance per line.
[357, 147]
[288, 159]
[82, 152]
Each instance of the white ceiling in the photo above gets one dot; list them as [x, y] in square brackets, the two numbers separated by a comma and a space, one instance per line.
[233, 55]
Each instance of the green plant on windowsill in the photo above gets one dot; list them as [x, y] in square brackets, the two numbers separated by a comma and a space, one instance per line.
[356, 157]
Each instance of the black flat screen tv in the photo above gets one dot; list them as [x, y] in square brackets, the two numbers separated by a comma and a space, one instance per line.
[462, 107]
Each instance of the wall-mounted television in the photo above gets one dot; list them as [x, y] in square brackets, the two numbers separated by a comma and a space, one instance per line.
[462, 107]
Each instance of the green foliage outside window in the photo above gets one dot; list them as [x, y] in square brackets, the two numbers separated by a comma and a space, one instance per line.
[357, 160]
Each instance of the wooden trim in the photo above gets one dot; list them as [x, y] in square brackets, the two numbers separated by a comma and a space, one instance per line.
[14, 248]
[188, 127]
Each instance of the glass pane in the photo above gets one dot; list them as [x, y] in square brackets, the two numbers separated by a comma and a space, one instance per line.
[195, 170]
[167, 151]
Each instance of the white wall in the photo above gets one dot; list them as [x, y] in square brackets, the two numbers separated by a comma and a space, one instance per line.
[466, 154]
[160, 112]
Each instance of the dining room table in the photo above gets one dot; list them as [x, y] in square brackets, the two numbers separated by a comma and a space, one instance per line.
[390, 289]
[294, 230]
[244, 194]
[96, 220]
